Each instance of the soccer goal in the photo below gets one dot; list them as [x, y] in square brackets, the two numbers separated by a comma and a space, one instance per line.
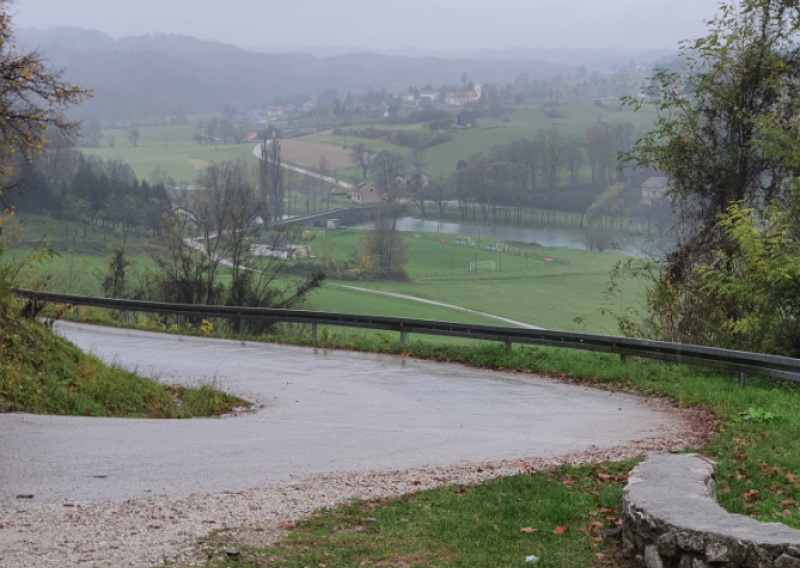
[499, 246]
[484, 265]
[461, 240]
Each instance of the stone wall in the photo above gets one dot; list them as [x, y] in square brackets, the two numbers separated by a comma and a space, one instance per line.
[671, 519]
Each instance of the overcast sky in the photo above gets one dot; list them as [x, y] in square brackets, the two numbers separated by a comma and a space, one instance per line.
[388, 24]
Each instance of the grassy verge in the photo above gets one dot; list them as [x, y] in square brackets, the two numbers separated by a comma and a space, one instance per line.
[45, 374]
[558, 517]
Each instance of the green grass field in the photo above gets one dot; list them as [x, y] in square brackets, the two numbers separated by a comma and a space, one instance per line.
[575, 120]
[173, 149]
[546, 294]
[170, 148]
[523, 288]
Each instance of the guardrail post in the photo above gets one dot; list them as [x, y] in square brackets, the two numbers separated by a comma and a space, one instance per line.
[742, 380]
[178, 321]
[314, 332]
[127, 316]
[508, 346]
[623, 357]
[241, 326]
[78, 311]
[403, 336]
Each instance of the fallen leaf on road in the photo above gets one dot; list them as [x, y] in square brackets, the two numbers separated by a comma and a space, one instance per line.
[24, 496]
[288, 526]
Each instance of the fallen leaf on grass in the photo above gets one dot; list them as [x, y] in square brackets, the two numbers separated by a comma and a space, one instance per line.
[600, 555]
[751, 495]
[787, 512]
[787, 502]
[561, 530]
[527, 530]
[288, 526]
[791, 478]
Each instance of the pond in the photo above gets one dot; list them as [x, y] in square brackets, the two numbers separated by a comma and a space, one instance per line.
[544, 236]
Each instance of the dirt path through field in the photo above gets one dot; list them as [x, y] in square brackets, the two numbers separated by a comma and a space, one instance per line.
[403, 296]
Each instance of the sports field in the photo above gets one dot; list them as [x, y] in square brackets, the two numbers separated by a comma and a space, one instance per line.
[524, 288]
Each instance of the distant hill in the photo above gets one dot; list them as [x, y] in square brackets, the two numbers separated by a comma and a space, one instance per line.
[152, 75]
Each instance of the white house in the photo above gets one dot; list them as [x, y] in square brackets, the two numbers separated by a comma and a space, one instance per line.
[453, 99]
[406, 96]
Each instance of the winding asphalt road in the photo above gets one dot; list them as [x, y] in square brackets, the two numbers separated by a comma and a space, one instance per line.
[323, 411]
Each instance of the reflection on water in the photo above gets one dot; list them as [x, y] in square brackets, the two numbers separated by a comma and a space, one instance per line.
[545, 236]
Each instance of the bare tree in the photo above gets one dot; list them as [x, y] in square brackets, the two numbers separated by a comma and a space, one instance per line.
[210, 203]
[385, 168]
[550, 148]
[133, 136]
[323, 187]
[386, 248]
[442, 190]
[573, 158]
[362, 156]
[270, 175]
[600, 153]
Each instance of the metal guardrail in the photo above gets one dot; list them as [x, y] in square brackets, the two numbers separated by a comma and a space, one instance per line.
[742, 362]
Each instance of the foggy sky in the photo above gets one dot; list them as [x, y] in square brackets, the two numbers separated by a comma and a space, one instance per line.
[441, 25]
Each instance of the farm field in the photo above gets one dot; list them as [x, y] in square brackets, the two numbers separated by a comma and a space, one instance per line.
[574, 120]
[181, 158]
[306, 154]
[175, 152]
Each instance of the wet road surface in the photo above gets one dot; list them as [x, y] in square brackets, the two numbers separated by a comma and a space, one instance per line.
[323, 411]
